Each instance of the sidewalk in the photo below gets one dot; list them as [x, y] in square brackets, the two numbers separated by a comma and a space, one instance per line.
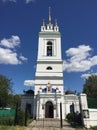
[49, 125]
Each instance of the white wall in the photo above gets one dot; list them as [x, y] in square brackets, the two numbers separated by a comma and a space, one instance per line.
[92, 120]
[27, 99]
[83, 101]
[42, 48]
[69, 99]
[41, 101]
[55, 67]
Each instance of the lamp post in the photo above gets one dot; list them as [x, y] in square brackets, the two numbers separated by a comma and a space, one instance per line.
[38, 103]
[57, 89]
[61, 124]
[56, 103]
[26, 114]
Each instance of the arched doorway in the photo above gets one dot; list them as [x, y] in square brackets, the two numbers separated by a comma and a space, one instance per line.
[29, 108]
[49, 110]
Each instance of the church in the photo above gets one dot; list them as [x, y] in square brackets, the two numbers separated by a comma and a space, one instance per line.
[49, 91]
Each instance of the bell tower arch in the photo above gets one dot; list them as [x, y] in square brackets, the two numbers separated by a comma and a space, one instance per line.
[49, 48]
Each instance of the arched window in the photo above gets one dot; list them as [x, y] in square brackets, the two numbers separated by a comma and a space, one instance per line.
[49, 68]
[49, 48]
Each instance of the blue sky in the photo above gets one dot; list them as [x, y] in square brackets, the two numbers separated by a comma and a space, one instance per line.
[20, 22]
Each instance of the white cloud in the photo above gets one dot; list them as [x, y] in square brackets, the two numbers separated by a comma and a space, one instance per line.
[79, 59]
[8, 57]
[11, 42]
[28, 1]
[22, 58]
[9, 0]
[29, 83]
[82, 49]
[8, 54]
[86, 75]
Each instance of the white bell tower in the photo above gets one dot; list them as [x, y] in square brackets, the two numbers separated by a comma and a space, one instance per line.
[48, 95]
[49, 86]
[49, 60]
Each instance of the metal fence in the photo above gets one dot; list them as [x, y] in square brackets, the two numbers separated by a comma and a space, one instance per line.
[7, 113]
[92, 102]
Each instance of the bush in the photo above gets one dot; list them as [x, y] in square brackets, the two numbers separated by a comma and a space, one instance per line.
[6, 120]
[20, 119]
[74, 118]
[94, 128]
[17, 120]
[78, 119]
[69, 117]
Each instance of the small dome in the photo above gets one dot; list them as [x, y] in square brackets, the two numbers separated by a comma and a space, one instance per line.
[30, 92]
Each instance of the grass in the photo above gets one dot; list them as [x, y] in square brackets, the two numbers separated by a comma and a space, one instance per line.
[12, 128]
[94, 128]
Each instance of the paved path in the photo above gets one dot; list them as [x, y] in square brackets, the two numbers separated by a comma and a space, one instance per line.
[49, 125]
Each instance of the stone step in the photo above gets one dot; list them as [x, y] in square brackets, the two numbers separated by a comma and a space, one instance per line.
[48, 119]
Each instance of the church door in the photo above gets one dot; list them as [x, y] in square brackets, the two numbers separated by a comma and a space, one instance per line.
[49, 110]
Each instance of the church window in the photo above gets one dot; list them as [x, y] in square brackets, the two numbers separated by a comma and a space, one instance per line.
[49, 68]
[49, 48]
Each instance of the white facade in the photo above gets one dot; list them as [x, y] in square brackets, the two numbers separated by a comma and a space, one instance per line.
[45, 101]
[49, 84]
[89, 116]
[49, 73]
[28, 101]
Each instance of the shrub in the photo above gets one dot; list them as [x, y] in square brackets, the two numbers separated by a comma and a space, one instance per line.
[17, 120]
[94, 128]
[69, 117]
[20, 118]
[6, 120]
[74, 118]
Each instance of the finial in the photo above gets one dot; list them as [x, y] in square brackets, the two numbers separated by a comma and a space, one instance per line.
[43, 23]
[49, 14]
[49, 82]
[56, 22]
[57, 87]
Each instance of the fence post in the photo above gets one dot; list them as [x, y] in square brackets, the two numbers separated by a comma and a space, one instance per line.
[61, 125]
[83, 105]
[26, 114]
[15, 119]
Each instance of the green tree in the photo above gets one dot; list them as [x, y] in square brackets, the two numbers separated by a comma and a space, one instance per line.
[17, 99]
[5, 90]
[13, 100]
[90, 86]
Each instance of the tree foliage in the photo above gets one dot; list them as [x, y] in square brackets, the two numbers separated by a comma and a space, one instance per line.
[90, 86]
[7, 98]
[13, 100]
[5, 89]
